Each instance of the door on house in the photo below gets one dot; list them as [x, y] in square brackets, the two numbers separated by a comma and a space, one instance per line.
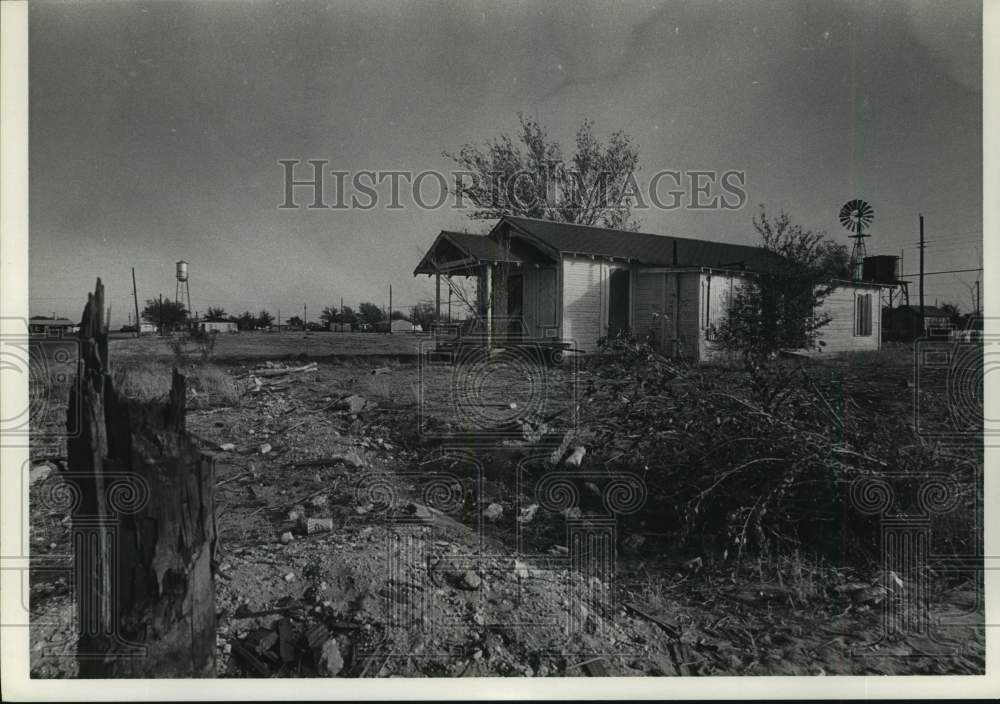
[618, 302]
[515, 305]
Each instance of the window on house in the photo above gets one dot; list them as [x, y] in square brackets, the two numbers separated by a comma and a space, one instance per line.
[863, 315]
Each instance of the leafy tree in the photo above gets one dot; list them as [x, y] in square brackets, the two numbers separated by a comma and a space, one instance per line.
[954, 313]
[295, 322]
[348, 316]
[779, 307]
[216, 315]
[528, 175]
[370, 313]
[166, 314]
[330, 314]
[398, 315]
[263, 319]
[424, 315]
[246, 320]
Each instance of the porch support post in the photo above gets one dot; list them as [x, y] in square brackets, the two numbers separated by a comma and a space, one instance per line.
[486, 300]
[437, 298]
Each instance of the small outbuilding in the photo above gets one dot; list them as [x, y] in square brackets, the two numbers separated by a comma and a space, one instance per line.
[217, 326]
[405, 326]
[51, 327]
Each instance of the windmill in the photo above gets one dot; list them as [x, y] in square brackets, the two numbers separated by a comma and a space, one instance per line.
[856, 215]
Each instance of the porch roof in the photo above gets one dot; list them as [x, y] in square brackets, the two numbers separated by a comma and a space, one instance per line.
[461, 254]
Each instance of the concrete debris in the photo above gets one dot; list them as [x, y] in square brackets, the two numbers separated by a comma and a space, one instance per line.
[265, 448]
[318, 525]
[319, 501]
[418, 511]
[493, 512]
[352, 404]
[297, 513]
[38, 473]
[528, 514]
[363, 510]
[471, 581]
[287, 537]
[227, 447]
[290, 577]
[382, 370]
[329, 661]
[351, 459]
[576, 457]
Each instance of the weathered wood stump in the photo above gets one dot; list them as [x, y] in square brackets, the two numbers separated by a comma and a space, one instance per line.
[140, 495]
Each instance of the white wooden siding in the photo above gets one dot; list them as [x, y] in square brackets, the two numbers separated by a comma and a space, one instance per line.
[584, 309]
[839, 334]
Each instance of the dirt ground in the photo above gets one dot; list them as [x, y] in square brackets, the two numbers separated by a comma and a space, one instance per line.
[338, 510]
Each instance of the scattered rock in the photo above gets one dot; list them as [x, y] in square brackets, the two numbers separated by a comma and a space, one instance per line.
[318, 525]
[382, 370]
[287, 537]
[297, 513]
[265, 448]
[227, 447]
[290, 577]
[493, 512]
[38, 473]
[362, 510]
[319, 501]
[528, 514]
[576, 457]
[329, 662]
[471, 581]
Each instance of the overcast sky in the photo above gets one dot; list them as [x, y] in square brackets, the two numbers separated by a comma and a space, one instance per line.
[156, 129]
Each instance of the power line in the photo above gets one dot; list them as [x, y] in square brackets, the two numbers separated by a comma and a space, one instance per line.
[952, 271]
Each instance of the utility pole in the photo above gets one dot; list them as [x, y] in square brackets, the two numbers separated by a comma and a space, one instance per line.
[279, 320]
[390, 309]
[135, 299]
[305, 318]
[921, 275]
[161, 314]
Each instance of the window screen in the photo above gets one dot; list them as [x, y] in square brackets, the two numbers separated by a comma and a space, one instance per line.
[863, 315]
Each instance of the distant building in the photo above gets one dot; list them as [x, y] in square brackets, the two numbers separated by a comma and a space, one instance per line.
[216, 326]
[903, 323]
[340, 327]
[51, 327]
[147, 328]
[405, 326]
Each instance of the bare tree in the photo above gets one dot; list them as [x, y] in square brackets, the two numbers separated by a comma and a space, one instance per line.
[527, 175]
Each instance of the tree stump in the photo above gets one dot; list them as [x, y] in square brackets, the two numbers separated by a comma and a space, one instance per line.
[141, 498]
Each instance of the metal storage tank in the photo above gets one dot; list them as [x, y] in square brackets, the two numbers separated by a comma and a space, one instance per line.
[882, 269]
[182, 270]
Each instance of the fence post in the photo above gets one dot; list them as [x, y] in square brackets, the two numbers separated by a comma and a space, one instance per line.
[142, 523]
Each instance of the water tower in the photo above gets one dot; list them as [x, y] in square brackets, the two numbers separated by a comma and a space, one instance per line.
[182, 280]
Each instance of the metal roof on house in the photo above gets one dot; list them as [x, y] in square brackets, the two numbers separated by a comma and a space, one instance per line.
[58, 322]
[643, 247]
[460, 252]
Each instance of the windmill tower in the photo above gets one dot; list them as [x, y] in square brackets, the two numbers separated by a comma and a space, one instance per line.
[856, 215]
[182, 281]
